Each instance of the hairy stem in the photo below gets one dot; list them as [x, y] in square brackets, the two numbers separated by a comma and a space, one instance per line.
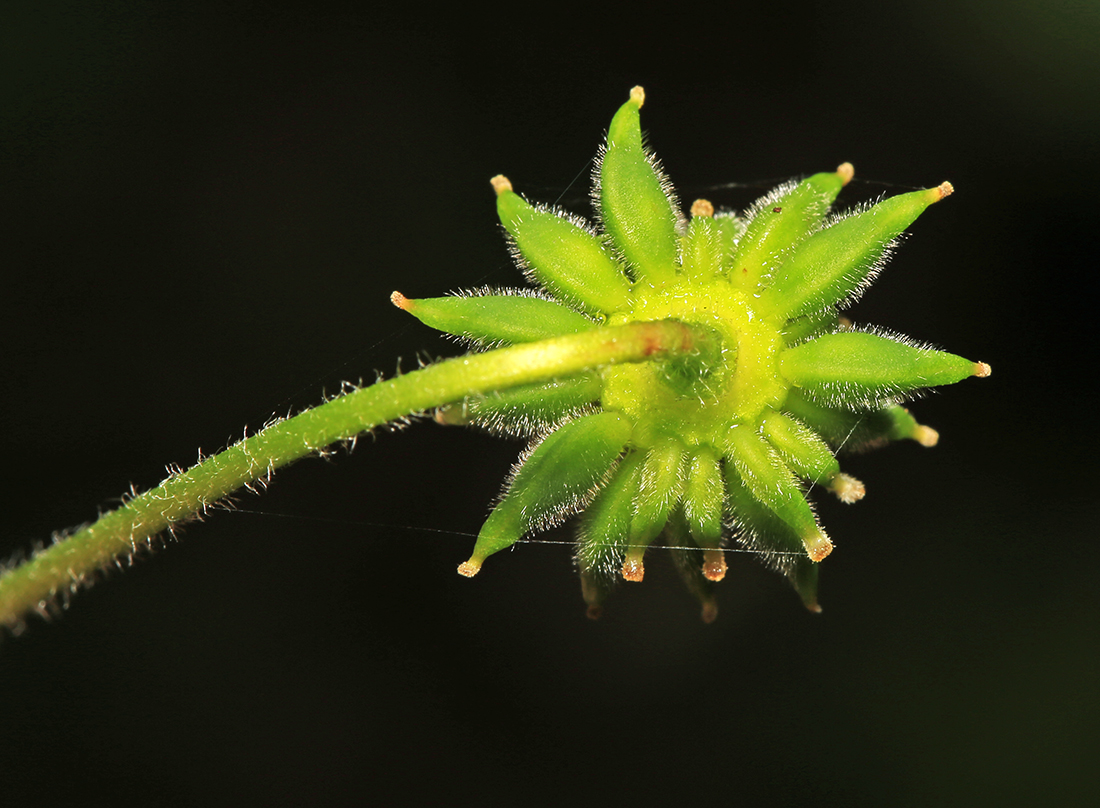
[72, 561]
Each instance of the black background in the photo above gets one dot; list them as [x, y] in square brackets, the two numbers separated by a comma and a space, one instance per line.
[203, 210]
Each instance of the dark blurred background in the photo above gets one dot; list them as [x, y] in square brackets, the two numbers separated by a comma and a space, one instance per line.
[203, 210]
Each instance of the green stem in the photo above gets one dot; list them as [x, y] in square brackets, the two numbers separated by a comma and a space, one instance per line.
[72, 561]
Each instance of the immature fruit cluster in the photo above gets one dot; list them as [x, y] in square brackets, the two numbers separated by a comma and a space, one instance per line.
[701, 447]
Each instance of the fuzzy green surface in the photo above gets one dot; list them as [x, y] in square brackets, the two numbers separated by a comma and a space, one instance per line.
[708, 439]
[739, 389]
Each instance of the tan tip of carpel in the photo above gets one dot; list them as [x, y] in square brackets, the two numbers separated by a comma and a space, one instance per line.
[469, 568]
[401, 301]
[594, 612]
[501, 184]
[845, 171]
[814, 607]
[848, 489]
[926, 436]
[981, 370]
[451, 415]
[702, 207]
[633, 569]
[710, 611]
[945, 189]
[818, 546]
[714, 565]
[637, 95]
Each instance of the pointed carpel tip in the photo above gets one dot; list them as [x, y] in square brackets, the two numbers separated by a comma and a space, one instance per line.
[593, 598]
[702, 207]
[818, 546]
[710, 611]
[845, 171]
[943, 190]
[637, 96]
[714, 565]
[813, 606]
[926, 436]
[633, 569]
[469, 568]
[982, 370]
[501, 184]
[452, 415]
[847, 488]
[401, 301]
[444, 416]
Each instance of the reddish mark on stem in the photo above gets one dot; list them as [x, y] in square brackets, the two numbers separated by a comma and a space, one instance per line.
[655, 343]
[777, 210]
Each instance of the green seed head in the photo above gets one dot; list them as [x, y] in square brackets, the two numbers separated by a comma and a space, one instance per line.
[707, 448]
